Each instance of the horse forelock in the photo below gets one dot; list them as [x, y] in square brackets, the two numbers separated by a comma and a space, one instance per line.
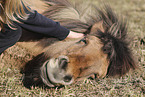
[116, 44]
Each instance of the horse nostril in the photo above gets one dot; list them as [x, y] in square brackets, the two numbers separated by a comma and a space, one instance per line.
[67, 78]
[63, 63]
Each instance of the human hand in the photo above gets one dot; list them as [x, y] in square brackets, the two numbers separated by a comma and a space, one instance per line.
[73, 34]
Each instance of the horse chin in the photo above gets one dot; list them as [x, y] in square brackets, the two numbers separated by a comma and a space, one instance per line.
[52, 74]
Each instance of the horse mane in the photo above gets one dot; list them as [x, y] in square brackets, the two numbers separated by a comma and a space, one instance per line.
[81, 16]
[76, 16]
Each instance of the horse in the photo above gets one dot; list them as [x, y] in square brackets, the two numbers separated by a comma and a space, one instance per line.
[104, 51]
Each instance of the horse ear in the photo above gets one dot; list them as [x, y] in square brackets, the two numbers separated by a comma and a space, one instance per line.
[97, 26]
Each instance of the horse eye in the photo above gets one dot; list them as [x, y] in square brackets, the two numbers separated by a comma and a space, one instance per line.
[83, 41]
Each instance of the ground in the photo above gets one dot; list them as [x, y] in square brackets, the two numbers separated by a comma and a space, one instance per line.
[130, 85]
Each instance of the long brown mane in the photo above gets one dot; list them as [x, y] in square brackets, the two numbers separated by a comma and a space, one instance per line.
[74, 16]
[113, 35]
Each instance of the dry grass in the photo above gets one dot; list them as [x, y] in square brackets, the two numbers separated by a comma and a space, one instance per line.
[131, 85]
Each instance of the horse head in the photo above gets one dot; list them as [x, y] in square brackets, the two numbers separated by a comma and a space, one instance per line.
[103, 51]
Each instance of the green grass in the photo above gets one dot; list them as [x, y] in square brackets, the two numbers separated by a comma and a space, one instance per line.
[131, 85]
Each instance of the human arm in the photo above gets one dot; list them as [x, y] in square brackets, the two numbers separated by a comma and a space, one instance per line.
[41, 24]
[9, 37]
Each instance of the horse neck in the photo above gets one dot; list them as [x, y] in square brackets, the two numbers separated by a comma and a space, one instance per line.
[38, 5]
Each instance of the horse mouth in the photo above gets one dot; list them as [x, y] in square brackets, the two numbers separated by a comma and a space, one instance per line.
[53, 72]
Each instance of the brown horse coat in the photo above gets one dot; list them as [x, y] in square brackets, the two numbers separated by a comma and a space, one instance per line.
[104, 51]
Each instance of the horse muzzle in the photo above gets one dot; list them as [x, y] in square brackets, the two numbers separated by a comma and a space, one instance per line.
[53, 72]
